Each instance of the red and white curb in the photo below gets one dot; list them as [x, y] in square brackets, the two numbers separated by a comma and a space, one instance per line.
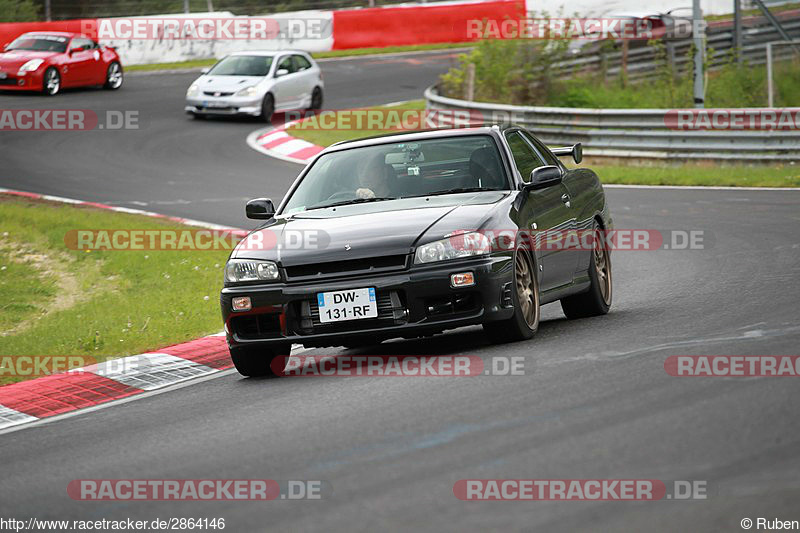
[36, 399]
[275, 142]
[48, 396]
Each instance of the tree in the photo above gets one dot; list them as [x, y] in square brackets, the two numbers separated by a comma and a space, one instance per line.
[17, 11]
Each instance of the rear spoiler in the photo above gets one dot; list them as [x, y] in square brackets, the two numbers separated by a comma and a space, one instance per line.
[576, 151]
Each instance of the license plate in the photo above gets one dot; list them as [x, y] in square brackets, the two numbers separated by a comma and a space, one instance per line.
[215, 104]
[351, 304]
[3, 75]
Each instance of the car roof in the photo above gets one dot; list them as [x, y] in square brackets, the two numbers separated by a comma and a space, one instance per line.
[54, 33]
[419, 135]
[268, 52]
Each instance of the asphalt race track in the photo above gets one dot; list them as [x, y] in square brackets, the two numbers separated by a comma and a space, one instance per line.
[595, 401]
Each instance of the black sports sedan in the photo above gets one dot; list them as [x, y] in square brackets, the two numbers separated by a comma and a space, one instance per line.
[412, 234]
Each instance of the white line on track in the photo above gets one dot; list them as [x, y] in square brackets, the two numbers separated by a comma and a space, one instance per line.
[42, 421]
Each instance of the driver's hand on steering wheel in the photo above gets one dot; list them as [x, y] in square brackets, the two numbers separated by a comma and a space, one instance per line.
[364, 193]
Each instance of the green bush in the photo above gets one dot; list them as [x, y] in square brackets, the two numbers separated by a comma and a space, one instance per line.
[520, 72]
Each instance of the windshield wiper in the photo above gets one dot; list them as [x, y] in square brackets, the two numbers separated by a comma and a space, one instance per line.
[454, 191]
[348, 202]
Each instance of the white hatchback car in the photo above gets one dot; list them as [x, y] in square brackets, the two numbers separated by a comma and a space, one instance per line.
[257, 84]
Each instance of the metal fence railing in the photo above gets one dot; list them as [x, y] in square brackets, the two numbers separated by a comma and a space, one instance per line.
[630, 133]
[642, 61]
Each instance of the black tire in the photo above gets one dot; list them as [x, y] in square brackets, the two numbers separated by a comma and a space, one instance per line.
[114, 77]
[256, 361]
[523, 325]
[597, 300]
[316, 99]
[267, 108]
[198, 116]
[51, 81]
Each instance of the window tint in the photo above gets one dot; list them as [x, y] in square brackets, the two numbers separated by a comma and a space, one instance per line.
[78, 42]
[301, 63]
[543, 151]
[40, 43]
[286, 63]
[524, 156]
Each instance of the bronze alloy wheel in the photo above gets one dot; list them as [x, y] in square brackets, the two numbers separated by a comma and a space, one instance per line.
[526, 290]
[602, 264]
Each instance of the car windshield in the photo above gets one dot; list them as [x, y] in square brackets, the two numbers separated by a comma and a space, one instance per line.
[401, 170]
[40, 43]
[242, 66]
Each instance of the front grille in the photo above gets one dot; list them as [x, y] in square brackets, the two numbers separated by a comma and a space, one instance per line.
[8, 81]
[260, 326]
[391, 312]
[351, 266]
[213, 93]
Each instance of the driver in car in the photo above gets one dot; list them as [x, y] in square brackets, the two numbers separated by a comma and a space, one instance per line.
[374, 178]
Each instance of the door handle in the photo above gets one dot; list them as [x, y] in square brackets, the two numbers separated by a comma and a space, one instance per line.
[565, 199]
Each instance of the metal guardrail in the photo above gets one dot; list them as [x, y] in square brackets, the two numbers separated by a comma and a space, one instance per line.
[642, 60]
[631, 133]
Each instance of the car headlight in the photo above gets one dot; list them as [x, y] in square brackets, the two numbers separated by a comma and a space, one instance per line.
[454, 246]
[30, 66]
[240, 270]
[193, 90]
[247, 91]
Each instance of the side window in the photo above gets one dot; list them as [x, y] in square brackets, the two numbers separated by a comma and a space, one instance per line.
[286, 63]
[79, 42]
[546, 154]
[524, 157]
[301, 63]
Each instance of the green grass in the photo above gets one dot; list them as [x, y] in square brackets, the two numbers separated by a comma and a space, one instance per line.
[200, 63]
[24, 286]
[102, 304]
[310, 131]
[703, 175]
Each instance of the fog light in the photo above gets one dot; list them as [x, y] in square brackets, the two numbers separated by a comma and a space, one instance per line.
[242, 303]
[21, 82]
[462, 279]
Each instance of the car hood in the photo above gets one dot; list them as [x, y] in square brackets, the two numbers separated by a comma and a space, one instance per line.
[366, 230]
[14, 59]
[227, 83]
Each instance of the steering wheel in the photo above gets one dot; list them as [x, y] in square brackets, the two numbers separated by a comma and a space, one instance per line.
[342, 195]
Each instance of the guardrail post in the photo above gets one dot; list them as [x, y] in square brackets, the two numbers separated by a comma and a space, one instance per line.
[469, 88]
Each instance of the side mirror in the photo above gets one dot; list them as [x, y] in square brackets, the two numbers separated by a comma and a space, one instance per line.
[79, 49]
[576, 151]
[281, 72]
[544, 177]
[260, 208]
[205, 70]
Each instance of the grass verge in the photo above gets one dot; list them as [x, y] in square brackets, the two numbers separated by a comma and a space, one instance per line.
[355, 52]
[685, 174]
[101, 304]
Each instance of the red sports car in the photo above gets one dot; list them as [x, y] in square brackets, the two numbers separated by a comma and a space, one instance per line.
[49, 61]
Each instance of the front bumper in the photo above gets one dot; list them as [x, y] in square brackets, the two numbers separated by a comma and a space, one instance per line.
[412, 302]
[30, 81]
[223, 105]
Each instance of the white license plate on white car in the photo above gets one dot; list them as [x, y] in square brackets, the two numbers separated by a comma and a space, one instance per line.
[351, 304]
